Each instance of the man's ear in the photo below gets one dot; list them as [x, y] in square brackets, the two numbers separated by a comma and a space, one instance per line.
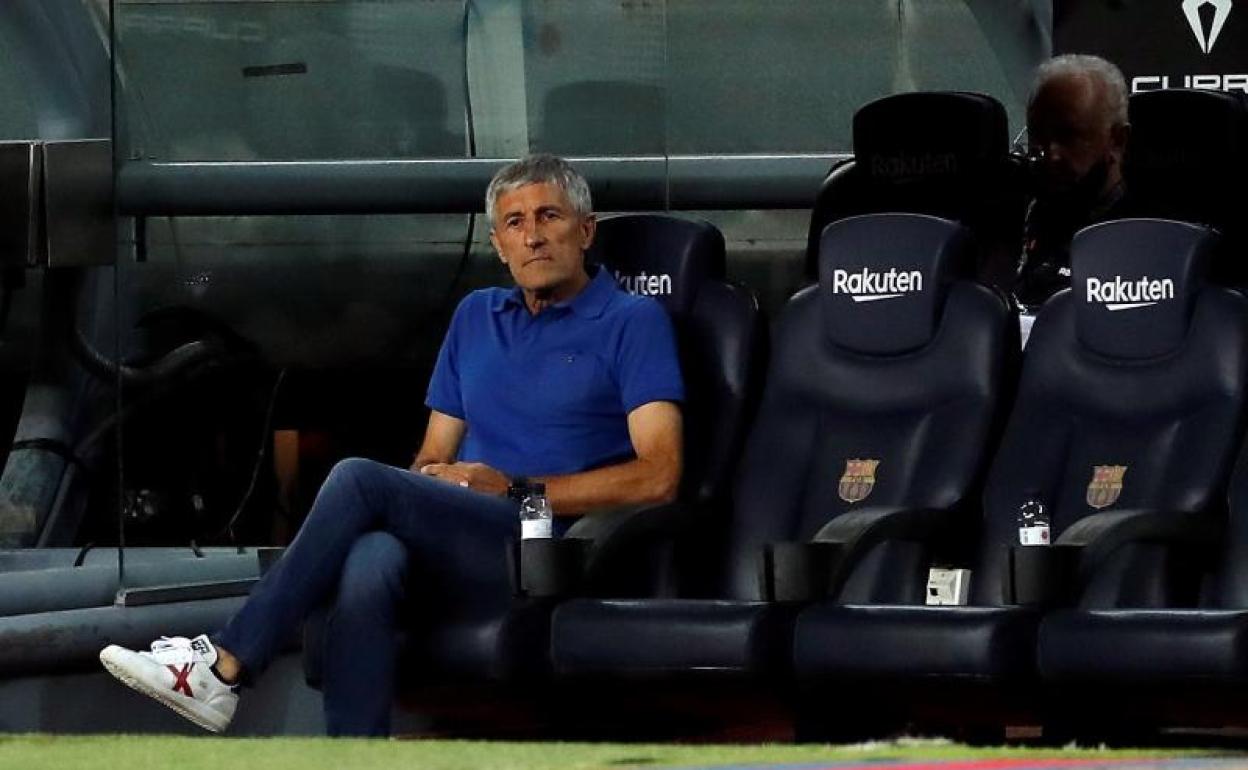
[1120, 135]
[589, 226]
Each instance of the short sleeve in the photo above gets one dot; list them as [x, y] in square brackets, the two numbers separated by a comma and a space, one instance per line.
[445, 394]
[649, 369]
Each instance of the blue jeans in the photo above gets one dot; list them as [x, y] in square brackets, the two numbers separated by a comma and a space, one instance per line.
[370, 525]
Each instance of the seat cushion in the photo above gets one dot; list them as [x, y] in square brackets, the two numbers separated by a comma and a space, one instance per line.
[909, 641]
[655, 637]
[1144, 645]
[490, 647]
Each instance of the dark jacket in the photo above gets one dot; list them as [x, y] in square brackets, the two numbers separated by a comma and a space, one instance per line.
[1044, 268]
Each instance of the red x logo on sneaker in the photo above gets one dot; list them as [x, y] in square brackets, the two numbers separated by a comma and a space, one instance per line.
[180, 683]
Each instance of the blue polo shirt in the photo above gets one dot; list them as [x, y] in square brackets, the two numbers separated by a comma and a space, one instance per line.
[550, 394]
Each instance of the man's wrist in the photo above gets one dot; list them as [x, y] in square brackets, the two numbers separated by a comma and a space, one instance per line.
[517, 486]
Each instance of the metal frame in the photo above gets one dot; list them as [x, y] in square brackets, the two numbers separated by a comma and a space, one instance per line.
[450, 186]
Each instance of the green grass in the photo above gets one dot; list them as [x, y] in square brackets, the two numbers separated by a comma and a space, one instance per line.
[140, 752]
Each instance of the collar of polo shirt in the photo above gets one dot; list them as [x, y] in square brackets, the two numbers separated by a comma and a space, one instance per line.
[589, 302]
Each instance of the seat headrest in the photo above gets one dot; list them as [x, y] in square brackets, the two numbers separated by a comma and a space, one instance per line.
[918, 139]
[1135, 284]
[660, 256]
[1186, 151]
[883, 279]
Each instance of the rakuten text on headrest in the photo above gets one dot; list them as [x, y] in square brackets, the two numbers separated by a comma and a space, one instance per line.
[1120, 293]
[645, 284]
[869, 286]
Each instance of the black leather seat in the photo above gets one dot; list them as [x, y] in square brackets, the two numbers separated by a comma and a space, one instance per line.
[1128, 414]
[939, 153]
[883, 398]
[1187, 159]
[720, 332]
[720, 335]
[1181, 662]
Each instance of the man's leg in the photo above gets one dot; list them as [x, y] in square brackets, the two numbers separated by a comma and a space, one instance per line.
[452, 534]
[361, 637]
[454, 537]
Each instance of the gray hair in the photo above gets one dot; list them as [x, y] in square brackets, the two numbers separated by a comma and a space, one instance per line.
[540, 168]
[1105, 74]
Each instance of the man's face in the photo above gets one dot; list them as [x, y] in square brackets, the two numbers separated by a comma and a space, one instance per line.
[541, 238]
[1068, 122]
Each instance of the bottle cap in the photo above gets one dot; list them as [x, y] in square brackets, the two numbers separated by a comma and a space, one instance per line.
[1031, 509]
[537, 488]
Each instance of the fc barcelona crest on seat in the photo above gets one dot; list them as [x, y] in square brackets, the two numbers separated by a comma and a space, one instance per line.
[1106, 485]
[858, 480]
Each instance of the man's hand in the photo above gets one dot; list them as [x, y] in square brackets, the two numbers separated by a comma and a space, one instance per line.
[478, 476]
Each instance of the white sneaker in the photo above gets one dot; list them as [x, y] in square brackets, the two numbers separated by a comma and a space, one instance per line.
[178, 673]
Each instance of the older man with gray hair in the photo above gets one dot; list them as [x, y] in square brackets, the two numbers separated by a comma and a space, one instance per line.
[1077, 132]
[564, 379]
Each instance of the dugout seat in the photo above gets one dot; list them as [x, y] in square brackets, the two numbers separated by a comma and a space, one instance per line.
[1186, 160]
[1127, 418]
[1181, 664]
[942, 153]
[884, 393]
[721, 340]
[1177, 661]
[720, 333]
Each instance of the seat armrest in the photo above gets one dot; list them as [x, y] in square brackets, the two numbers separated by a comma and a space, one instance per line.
[628, 521]
[1040, 575]
[546, 567]
[1099, 535]
[796, 572]
[856, 532]
[612, 538]
[873, 525]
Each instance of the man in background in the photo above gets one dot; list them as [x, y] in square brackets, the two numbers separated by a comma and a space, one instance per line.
[1077, 133]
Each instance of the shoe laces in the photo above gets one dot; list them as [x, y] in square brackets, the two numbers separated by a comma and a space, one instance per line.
[175, 650]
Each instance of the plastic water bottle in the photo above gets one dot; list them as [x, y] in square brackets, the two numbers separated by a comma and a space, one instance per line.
[1033, 523]
[535, 513]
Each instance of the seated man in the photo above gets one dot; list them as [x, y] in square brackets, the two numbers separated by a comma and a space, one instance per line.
[1077, 129]
[566, 379]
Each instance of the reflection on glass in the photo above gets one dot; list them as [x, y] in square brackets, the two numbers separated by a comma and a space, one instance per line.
[595, 72]
[300, 80]
[787, 75]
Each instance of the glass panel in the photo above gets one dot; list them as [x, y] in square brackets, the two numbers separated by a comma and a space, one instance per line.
[17, 120]
[595, 72]
[991, 47]
[782, 76]
[288, 80]
[326, 325]
[787, 75]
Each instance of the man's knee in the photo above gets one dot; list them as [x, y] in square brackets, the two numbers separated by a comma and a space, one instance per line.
[358, 478]
[376, 568]
[355, 470]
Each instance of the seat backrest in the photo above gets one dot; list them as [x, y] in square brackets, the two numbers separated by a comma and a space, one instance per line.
[1187, 159]
[1132, 396]
[886, 387]
[719, 328]
[939, 153]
